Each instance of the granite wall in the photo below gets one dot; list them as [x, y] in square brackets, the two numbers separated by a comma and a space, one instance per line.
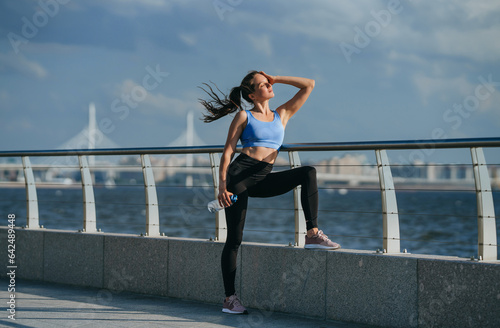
[403, 290]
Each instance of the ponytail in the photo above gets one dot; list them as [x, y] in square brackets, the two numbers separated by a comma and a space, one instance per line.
[218, 107]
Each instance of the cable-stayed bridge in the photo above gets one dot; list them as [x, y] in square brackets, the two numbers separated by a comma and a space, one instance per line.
[91, 137]
[355, 173]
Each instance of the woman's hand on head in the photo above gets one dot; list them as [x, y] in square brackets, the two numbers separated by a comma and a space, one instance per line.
[270, 78]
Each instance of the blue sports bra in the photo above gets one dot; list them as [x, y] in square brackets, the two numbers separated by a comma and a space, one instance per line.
[263, 134]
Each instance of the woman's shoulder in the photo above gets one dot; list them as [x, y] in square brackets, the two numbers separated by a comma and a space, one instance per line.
[240, 117]
[241, 114]
[280, 111]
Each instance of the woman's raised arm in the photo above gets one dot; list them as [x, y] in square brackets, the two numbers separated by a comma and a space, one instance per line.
[288, 109]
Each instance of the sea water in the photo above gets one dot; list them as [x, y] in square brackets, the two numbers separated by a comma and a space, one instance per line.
[431, 222]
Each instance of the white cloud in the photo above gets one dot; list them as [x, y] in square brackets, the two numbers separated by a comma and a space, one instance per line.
[168, 104]
[478, 9]
[150, 102]
[131, 8]
[479, 44]
[457, 87]
[331, 21]
[261, 43]
[135, 8]
[457, 91]
[188, 38]
[492, 105]
[18, 63]
[405, 57]
[453, 28]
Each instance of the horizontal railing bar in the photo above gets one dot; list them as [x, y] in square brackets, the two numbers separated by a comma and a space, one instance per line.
[115, 151]
[471, 190]
[332, 146]
[465, 165]
[36, 167]
[397, 144]
[373, 187]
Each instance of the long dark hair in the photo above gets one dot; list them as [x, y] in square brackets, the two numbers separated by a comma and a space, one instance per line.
[218, 107]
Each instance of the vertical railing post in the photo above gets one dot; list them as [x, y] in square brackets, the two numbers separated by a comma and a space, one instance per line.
[152, 213]
[390, 215]
[32, 219]
[487, 236]
[89, 215]
[300, 221]
[220, 216]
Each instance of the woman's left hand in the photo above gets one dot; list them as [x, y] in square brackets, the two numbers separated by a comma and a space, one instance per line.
[270, 78]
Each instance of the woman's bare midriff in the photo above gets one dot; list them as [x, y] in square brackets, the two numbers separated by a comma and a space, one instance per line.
[263, 154]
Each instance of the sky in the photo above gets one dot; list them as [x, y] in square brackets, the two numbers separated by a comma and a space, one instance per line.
[384, 70]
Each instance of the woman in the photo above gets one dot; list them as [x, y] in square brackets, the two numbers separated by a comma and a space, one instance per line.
[261, 132]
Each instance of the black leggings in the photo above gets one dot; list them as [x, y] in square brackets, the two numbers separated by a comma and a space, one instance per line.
[246, 177]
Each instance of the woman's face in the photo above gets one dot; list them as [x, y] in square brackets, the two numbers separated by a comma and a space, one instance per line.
[263, 89]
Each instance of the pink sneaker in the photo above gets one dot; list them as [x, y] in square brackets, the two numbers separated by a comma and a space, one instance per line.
[320, 241]
[233, 306]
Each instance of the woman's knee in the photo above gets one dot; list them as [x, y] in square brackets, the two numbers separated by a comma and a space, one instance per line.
[310, 172]
[234, 240]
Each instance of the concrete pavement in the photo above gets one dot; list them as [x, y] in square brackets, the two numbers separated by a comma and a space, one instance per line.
[40, 304]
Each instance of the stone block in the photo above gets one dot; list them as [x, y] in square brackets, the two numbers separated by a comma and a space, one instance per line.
[284, 279]
[136, 264]
[74, 258]
[372, 289]
[29, 253]
[3, 251]
[194, 270]
[458, 294]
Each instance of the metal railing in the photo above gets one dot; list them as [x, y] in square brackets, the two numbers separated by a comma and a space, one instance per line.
[487, 237]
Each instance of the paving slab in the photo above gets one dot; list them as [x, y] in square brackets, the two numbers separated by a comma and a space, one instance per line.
[42, 304]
